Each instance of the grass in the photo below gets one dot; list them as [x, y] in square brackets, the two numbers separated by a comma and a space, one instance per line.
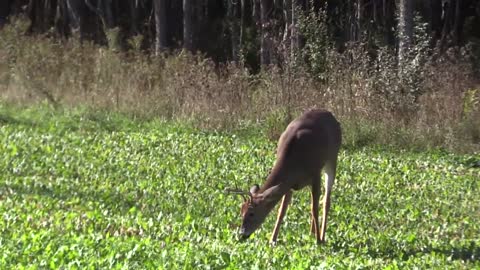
[82, 189]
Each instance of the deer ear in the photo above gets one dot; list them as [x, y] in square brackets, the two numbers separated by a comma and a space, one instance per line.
[271, 193]
[254, 189]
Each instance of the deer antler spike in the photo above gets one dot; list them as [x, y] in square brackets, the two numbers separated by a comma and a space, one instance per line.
[237, 191]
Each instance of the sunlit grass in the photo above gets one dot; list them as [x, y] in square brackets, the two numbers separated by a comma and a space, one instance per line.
[81, 189]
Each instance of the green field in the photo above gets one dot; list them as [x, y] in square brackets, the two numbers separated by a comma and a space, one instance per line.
[98, 190]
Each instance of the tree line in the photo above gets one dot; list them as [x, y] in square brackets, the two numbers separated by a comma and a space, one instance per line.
[249, 30]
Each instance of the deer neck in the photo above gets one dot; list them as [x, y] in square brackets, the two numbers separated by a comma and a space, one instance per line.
[279, 178]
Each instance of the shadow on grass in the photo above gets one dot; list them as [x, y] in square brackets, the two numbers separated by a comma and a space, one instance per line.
[9, 120]
[470, 253]
[464, 253]
[467, 253]
[68, 120]
[115, 201]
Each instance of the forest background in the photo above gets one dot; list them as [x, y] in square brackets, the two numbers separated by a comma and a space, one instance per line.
[403, 73]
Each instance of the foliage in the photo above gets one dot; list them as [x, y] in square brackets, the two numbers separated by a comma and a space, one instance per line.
[424, 105]
[413, 68]
[83, 189]
[313, 26]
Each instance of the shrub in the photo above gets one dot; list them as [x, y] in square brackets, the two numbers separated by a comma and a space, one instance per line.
[429, 104]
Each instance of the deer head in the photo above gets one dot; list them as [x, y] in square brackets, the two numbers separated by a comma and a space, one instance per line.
[256, 207]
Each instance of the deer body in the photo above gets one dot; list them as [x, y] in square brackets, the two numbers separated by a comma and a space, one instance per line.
[309, 144]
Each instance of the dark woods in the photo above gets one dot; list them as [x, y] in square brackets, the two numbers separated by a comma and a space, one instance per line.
[254, 31]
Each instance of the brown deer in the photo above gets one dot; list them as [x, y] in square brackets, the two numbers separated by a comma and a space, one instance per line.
[309, 144]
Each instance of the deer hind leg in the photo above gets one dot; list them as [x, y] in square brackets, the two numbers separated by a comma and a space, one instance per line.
[330, 170]
[282, 210]
[314, 228]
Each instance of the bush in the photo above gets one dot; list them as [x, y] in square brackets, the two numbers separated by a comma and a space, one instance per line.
[434, 108]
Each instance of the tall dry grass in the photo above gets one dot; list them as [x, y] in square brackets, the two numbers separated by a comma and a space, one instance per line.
[436, 105]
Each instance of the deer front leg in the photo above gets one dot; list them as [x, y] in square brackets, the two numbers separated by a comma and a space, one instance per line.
[281, 214]
[314, 228]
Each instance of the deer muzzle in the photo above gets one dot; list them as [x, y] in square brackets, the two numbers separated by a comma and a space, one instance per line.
[243, 234]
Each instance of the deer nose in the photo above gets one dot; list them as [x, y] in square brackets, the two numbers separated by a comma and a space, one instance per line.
[243, 234]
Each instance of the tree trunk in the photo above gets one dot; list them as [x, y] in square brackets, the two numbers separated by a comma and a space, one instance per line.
[42, 15]
[103, 10]
[187, 25]
[51, 12]
[287, 16]
[458, 23]
[256, 11]
[405, 29]
[266, 39]
[36, 15]
[133, 8]
[160, 10]
[388, 21]
[448, 11]
[436, 18]
[242, 21]
[109, 18]
[358, 20]
[61, 20]
[233, 14]
[297, 40]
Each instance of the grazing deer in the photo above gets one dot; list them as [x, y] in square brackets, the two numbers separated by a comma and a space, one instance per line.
[309, 144]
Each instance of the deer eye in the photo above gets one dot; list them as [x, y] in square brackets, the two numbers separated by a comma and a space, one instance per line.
[250, 215]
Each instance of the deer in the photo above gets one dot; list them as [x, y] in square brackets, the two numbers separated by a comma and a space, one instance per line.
[310, 143]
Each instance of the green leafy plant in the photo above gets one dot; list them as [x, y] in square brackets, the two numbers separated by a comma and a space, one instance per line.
[83, 189]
